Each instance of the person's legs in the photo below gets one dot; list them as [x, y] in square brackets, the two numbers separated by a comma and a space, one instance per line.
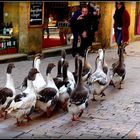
[75, 42]
[118, 36]
[91, 37]
[83, 46]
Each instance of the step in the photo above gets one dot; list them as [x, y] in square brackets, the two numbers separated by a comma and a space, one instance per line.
[48, 52]
[6, 58]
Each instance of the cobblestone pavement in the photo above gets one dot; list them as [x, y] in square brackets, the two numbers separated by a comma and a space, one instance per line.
[117, 115]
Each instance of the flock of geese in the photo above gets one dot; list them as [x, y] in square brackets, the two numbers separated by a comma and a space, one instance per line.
[68, 90]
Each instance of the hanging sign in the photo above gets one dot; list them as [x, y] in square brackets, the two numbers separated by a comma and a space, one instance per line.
[36, 12]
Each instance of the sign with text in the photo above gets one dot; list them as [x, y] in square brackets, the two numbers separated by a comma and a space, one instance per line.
[36, 10]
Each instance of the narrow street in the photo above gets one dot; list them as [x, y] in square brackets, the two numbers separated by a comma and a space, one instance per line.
[116, 115]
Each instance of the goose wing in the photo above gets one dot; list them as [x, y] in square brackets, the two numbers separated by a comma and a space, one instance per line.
[99, 76]
[47, 94]
[58, 82]
[24, 83]
[121, 71]
[79, 95]
[21, 101]
[4, 93]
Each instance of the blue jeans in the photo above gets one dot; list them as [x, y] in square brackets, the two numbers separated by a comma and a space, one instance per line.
[118, 36]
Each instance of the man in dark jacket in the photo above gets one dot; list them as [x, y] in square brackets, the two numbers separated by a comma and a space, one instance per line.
[80, 25]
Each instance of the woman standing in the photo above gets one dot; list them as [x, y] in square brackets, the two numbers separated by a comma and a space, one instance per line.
[121, 24]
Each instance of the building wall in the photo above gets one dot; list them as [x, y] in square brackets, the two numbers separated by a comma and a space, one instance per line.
[23, 28]
[131, 7]
[11, 14]
[105, 23]
[29, 38]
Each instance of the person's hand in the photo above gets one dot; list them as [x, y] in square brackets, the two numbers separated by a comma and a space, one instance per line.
[125, 43]
[94, 13]
[80, 17]
[84, 34]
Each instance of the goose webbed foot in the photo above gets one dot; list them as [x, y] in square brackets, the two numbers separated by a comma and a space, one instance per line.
[49, 112]
[120, 87]
[75, 118]
[102, 94]
[5, 115]
[20, 123]
[111, 83]
[64, 105]
[28, 118]
[93, 99]
[1, 115]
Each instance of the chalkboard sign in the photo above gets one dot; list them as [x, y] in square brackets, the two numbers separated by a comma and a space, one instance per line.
[36, 10]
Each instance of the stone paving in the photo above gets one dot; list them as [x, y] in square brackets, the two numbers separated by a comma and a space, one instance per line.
[117, 115]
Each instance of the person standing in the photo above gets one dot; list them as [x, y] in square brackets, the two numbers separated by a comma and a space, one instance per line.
[121, 25]
[74, 30]
[80, 26]
[94, 11]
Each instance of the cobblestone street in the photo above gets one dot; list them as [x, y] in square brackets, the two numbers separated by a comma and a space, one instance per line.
[116, 115]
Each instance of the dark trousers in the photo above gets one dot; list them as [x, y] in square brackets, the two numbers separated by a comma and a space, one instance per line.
[83, 46]
[75, 42]
[91, 37]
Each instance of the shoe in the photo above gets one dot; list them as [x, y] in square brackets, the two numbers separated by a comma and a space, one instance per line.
[73, 54]
[82, 54]
[125, 44]
[124, 52]
[118, 52]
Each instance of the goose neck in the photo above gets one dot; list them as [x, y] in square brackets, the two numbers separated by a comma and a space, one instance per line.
[9, 81]
[99, 65]
[65, 71]
[30, 85]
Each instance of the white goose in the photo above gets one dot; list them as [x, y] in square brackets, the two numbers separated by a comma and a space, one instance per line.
[7, 92]
[22, 106]
[99, 79]
[47, 98]
[39, 83]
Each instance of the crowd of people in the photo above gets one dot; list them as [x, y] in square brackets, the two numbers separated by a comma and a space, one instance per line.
[84, 24]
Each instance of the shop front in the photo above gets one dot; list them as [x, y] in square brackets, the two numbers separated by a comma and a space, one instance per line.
[8, 42]
[56, 25]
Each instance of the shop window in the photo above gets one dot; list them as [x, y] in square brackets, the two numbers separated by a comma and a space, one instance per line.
[55, 23]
